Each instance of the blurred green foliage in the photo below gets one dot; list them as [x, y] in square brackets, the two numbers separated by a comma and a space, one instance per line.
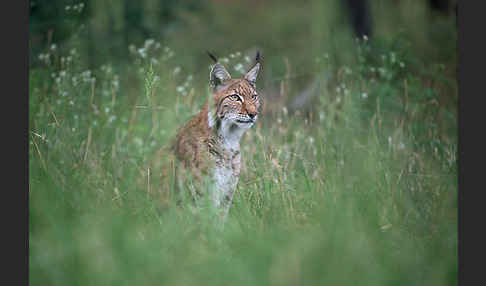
[358, 187]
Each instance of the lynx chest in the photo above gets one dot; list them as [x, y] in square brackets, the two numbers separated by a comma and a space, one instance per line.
[224, 172]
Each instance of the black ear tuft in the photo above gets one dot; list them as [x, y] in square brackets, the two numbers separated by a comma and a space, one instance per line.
[252, 74]
[212, 57]
[258, 58]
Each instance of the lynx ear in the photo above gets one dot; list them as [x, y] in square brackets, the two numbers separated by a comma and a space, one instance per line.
[218, 75]
[252, 74]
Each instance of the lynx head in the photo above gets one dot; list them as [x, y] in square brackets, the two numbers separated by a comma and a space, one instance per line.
[235, 101]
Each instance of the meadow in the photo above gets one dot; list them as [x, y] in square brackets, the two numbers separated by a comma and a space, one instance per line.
[358, 186]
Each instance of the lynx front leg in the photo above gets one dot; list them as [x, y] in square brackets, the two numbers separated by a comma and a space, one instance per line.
[223, 191]
[226, 203]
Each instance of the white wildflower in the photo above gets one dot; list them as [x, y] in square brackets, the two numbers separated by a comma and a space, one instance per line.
[45, 58]
[180, 89]
[239, 68]
[322, 115]
[86, 74]
[148, 43]
[116, 83]
[142, 52]
[132, 48]
[382, 71]
[285, 111]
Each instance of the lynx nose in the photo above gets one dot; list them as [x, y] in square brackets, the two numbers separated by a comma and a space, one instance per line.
[252, 114]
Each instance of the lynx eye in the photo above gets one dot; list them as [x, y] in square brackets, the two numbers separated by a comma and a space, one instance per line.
[234, 97]
[254, 96]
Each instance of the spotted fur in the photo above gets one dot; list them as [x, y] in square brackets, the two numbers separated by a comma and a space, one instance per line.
[209, 144]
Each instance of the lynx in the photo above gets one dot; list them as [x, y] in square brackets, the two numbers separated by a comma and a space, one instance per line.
[209, 144]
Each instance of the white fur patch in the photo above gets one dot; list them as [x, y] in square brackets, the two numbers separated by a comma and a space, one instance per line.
[211, 120]
[225, 174]
[225, 183]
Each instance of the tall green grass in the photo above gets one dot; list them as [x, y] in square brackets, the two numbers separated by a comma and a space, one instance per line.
[359, 189]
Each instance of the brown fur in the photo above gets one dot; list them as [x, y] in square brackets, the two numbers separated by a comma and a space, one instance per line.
[208, 145]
